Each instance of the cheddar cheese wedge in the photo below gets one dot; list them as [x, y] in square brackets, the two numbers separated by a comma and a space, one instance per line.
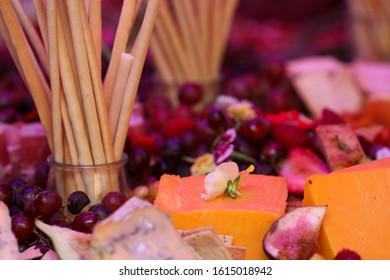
[247, 217]
[358, 213]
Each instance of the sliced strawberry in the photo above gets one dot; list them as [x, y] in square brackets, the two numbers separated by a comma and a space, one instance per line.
[177, 126]
[290, 136]
[298, 166]
[145, 142]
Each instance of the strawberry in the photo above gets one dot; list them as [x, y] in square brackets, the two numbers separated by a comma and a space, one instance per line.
[145, 142]
[298, 166]
[177, 126]
[290, 136]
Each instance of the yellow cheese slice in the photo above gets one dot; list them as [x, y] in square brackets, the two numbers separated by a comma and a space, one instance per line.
[358, 213]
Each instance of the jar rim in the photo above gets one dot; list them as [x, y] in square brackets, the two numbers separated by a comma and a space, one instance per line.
[51, 161]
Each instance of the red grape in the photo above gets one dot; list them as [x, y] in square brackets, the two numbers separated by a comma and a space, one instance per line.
[48, 202]
[278, 100]
[138, 160]
[22, 226]
[114, 200]
[271, 152]
[27, 193]
[189, 141]
[76, 201]
[85, 221]
[190, 93]
[274, 72]
[216, 119]
[6, 194]
[102, 209]
[172, 149]
[30, 210]
[255, 129]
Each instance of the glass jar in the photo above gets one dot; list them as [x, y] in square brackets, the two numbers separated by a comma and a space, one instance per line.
[94, 180]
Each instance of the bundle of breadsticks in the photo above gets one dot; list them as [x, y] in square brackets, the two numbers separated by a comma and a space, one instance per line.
[190, 39]
[370, 26]
[85, 114]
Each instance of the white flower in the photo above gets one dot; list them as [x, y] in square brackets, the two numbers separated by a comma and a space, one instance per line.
[224, 176]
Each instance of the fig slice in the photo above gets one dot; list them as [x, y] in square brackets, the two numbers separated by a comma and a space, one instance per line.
[293, 235]
[68, 244]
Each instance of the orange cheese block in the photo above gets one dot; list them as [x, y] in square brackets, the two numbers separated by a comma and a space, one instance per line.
[358, 213]
[247, 218]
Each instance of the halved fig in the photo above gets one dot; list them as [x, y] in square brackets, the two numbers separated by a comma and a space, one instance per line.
[293, 235]
[68, 244]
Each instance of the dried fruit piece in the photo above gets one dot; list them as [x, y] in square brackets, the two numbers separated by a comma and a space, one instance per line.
[293, 235]
[298, 166]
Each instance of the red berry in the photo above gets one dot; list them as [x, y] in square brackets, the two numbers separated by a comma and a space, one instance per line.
[6, 194]
[48, 202]
[346, 254]
[22, 226]
[145, 142]
[255, 129]
[290, 136]
[114, 200]
[216, 119]
[175, 127]
[85, 221]
[102, 209]
[76, 201]
[274, 72]
[183, 111]
[190, 94]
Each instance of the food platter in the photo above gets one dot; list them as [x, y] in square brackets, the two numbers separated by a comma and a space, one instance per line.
[155, 133]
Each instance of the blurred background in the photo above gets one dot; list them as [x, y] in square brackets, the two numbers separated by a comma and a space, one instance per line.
[262, 31]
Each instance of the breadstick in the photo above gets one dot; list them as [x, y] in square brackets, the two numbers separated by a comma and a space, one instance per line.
[227, 18]
[32, 34]
[75, 112]
[89, 102]
[161, 46]
[145, 34]
[178, 45]
[69, 45]
[185, 32]
[190, 16]
[28, 66]
[101, 108]
[119, 89]
[55, 81]
[95, 21]
[40, 12]
[126, 19]
[166, 73]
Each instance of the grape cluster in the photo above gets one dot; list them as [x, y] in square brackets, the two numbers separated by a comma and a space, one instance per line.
[27, 202]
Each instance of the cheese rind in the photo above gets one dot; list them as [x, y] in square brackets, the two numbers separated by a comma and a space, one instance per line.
[138, 230]
[357, 216]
